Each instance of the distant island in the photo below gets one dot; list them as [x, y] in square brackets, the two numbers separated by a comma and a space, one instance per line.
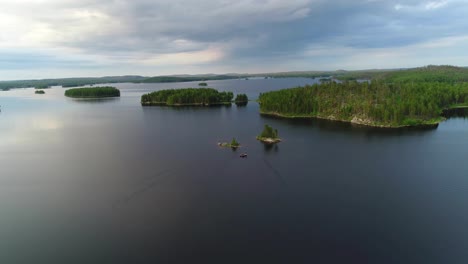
[241, 100]
[39, 92]
[413, 97]
[187, 97]
[193, 78]
[269, 135]
[93, 92]
[203, 84]
[233, 144]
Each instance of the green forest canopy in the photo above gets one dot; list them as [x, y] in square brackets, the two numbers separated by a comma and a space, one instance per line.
[378, 103]
[268, 132]
[93, 92]
[241, 98]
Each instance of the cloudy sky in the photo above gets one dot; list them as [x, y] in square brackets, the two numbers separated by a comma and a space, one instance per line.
[64, 38]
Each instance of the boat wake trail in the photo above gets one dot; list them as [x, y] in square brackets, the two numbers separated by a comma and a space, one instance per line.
[153, 182]
[275, 172]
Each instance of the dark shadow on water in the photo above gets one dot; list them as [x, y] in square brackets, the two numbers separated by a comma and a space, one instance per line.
[184, 108]
[270, 147]
[456, 112]
[345, 127]
[96, 100]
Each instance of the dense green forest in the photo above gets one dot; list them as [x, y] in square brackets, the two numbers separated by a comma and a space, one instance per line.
[376, 103]
[94, 92]
[187, 96]
[241, 100]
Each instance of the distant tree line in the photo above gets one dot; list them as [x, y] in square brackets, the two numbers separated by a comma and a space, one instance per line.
[170, 79]
[431, 73]
[68, 82]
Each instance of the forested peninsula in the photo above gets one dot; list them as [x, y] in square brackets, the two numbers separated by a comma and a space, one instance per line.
[93, 92]
[416, 97]
[187, 97]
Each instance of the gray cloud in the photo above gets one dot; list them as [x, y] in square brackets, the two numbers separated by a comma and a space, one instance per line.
[144, 34]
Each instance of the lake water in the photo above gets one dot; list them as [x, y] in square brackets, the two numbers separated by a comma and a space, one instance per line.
[109, 181]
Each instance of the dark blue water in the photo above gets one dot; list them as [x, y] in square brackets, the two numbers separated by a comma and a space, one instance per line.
[109, 181]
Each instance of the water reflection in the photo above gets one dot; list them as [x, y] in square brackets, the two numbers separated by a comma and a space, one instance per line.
[243, 104]
[270, 147]
[95, 100]
[25, 129]
[456, 112]
[345, 127]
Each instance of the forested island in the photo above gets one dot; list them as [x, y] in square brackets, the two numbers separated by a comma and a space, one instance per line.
[93, 92]
[233, 144]
[187, 97]
[269, 135]
[241, 100]
[39, 92]
[410, 98]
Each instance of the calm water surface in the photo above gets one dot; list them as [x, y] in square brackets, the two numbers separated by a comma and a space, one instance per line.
[108, 181]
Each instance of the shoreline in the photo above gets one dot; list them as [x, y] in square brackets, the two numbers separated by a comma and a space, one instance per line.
[92, 97]
[182, 105]
[354, 121]
[268, 140]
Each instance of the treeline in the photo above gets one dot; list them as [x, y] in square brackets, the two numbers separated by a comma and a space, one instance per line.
[187, 96]
[77, 82]
[94, 92]
[68, 82]
[170, 79]
[431, 73]
[373, 103]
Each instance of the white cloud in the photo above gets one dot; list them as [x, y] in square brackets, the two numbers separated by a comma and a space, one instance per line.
[436, 4]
